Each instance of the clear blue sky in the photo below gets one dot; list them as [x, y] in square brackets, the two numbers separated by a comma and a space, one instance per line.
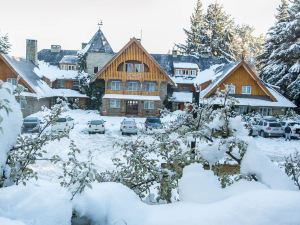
[70, 22]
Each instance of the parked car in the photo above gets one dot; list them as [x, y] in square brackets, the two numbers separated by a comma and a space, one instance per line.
[128, 126]
[270, 128]
[96, 126]
[31, 125]
[295, 127]
[62, 124]
[153, 123]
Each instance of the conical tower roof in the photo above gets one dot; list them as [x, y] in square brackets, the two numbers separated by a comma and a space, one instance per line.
[98, 43]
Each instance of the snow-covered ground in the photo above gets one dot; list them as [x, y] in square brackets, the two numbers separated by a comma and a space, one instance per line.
[101, 146]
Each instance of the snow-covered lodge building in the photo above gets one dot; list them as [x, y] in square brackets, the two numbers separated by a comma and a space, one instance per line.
[136, 83]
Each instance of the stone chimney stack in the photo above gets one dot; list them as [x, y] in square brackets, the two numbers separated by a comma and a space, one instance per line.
[31, 50]
[175, 53]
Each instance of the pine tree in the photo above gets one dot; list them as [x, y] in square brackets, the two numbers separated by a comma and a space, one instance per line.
[4, 44]
[218, 36]
[191, 46]
[279, 63]
[246, 45]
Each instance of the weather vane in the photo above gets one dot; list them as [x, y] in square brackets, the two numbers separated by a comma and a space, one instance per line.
[100, 23]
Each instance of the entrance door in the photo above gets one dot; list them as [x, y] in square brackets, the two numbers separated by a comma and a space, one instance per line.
[132, 107]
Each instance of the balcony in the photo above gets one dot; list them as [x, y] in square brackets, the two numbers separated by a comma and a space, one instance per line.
[126, 92]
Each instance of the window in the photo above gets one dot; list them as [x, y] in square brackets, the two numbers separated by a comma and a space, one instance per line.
[194, 72]
[148, 105]
[231, 89]
[138, 68]
[265, 111]
[114, 103]
[12, 81]
[246, 90]
[96, 69]
[60, 83]
[128, 67]
[133, 86]
[76, 84]
[149, 86]
[115, 85]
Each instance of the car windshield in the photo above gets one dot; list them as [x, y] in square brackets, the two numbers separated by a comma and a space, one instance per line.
[97, 122]
[31, 120]
[275, 125]
[153, 120]
[129, 122]
[61, 120]
[293, 124]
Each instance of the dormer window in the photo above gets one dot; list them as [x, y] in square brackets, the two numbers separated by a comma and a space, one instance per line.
[185, 72]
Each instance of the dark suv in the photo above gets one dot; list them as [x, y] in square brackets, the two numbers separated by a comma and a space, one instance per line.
[153, 123]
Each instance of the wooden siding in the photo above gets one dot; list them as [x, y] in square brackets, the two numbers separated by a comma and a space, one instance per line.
[7, 72]
[133, 52]
[241, 77]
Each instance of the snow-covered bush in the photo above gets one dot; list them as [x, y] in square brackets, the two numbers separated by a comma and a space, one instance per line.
[10, 122]
[292, 168]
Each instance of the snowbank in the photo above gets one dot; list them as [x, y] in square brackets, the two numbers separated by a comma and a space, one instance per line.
[34, 205]
[111, 203]
[254, 162]
[11, 122]
[5, 221]
[199, 185]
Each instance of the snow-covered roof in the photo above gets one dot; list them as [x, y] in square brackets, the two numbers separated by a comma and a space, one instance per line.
[67, 93]
[25, 69]
[183, 79]
[69, 59]
[207, 75]
[186, 97]
[185, 65]
[53, 58]
[98, 43]
[53, 72]
[220, 73]
[132, 97]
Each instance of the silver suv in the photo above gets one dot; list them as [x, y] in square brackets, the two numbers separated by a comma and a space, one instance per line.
[270, 128]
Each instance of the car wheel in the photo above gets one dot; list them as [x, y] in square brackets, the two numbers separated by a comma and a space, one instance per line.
[122, 133]
[262, 133]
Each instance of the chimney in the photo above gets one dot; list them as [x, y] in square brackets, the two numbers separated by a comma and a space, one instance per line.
[174, 53]
[31, 50]
[55, 48]
[83, 45]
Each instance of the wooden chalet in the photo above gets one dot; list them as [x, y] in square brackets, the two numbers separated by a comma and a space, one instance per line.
[135, 84]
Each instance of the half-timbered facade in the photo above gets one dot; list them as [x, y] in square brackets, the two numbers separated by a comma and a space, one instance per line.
[135, 84]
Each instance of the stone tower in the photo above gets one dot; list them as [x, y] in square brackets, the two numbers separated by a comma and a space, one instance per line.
[31, 50]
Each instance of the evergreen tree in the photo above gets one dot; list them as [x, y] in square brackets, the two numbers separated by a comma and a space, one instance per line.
[279, 63]
[218, 27]
[191, 46]
[4, 44]
[246, 45]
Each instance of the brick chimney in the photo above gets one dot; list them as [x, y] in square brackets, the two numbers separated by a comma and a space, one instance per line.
[31, 50]
[55, 48]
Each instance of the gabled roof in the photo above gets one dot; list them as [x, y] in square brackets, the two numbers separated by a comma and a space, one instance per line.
[228, 69]
[98, 44]
[53, 58]
[25, 69]
[133, 40]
